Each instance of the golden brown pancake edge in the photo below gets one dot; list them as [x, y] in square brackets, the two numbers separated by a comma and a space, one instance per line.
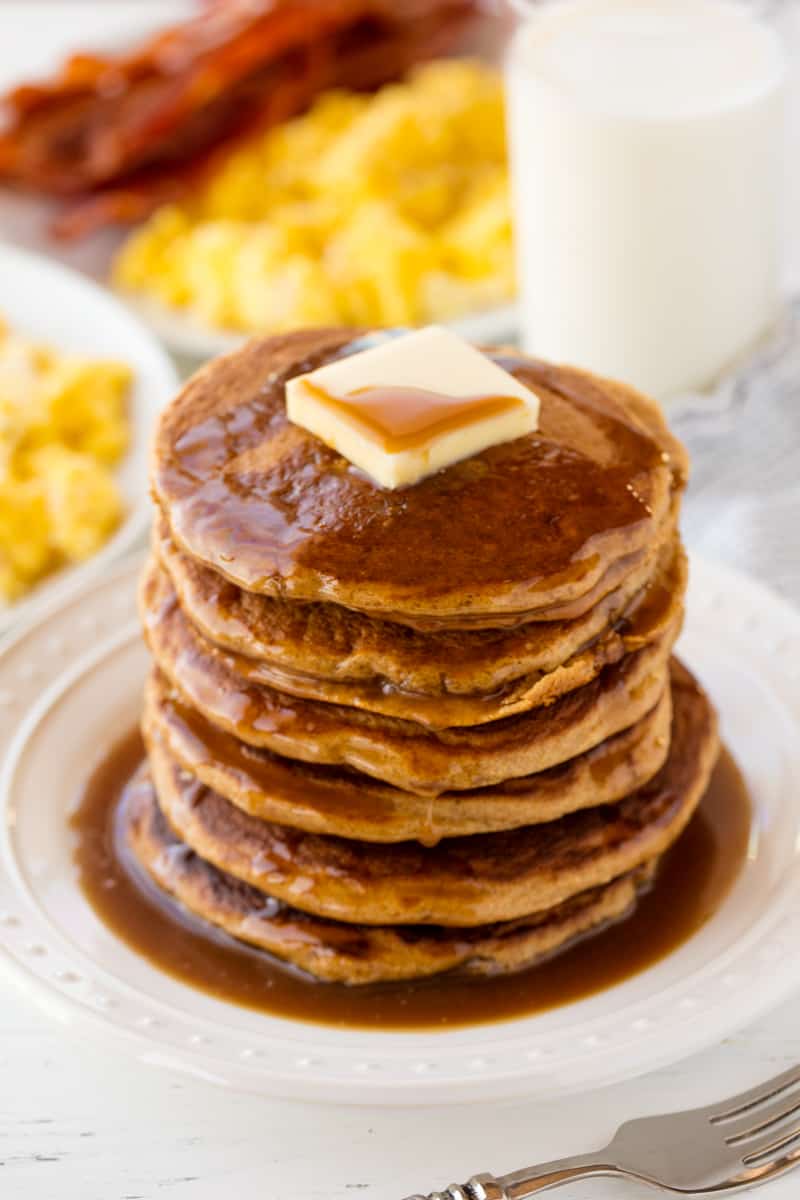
[325, 799]
[462, 881]
[335, 952]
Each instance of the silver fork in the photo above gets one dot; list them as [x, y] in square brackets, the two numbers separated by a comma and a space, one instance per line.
[736, 1144]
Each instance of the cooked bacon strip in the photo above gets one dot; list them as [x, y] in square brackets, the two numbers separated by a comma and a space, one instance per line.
[125, 133]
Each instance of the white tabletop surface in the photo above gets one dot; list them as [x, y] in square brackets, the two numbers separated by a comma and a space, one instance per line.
[81, 1124]
[78, 1126]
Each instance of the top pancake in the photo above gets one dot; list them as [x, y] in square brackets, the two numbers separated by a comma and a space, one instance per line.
[522, 526]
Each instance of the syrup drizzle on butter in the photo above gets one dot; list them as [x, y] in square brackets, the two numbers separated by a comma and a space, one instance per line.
[408, 418]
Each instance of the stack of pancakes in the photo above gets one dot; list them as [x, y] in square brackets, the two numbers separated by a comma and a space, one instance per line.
[392, 733]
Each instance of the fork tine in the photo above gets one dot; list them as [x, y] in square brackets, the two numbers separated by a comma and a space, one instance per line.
[767, 1120]
[773, 1148]
[745, 1102]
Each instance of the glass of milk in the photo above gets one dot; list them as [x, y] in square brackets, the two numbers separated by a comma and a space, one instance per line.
[646, 140]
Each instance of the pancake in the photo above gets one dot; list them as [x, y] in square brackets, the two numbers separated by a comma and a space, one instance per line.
[330, 642]
[397, 732]
[323, 799]
[402, 753]
[522, 526]
[353, 954]
[462, 881]
[656, 610]
[324, 652]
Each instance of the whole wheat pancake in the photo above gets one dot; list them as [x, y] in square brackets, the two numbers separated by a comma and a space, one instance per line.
[325, 652]
[402, 753]
[331, 642]
[354, 954]
[519, 527]
[462, 881]
[323, 799]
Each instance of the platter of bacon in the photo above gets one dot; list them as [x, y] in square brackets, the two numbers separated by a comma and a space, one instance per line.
[113, 135]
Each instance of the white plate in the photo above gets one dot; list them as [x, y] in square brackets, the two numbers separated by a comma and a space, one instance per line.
[189, 338]
[52, 304]
[745, 644]
[34, 40]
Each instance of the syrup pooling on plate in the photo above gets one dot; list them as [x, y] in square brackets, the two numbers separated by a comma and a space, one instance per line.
[692, 882]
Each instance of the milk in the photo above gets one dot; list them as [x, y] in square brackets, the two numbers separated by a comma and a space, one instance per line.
[646, 156]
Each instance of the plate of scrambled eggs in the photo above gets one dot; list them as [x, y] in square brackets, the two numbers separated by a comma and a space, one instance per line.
[80, 385]
[380, 209]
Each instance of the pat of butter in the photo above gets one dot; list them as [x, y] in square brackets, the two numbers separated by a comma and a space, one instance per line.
[412, 405]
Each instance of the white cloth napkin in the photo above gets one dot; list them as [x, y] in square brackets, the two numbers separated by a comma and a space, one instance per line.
[743, 503]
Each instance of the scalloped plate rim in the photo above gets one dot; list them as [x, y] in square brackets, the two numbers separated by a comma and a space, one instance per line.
[455, 1048]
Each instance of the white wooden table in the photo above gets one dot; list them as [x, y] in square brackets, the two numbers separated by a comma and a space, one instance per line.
[77, 1124]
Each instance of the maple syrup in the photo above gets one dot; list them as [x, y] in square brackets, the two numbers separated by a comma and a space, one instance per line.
[692, 882]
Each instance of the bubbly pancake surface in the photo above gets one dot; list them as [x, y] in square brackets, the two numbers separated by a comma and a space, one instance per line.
[276, 511]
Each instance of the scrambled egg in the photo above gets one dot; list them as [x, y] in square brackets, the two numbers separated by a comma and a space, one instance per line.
[63, 425]
[376, 210]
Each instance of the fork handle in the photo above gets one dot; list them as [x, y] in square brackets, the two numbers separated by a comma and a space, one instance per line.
[528, 1182]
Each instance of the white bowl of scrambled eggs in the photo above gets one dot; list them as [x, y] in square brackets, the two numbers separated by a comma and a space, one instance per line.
[382, 209]
[81, 382]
